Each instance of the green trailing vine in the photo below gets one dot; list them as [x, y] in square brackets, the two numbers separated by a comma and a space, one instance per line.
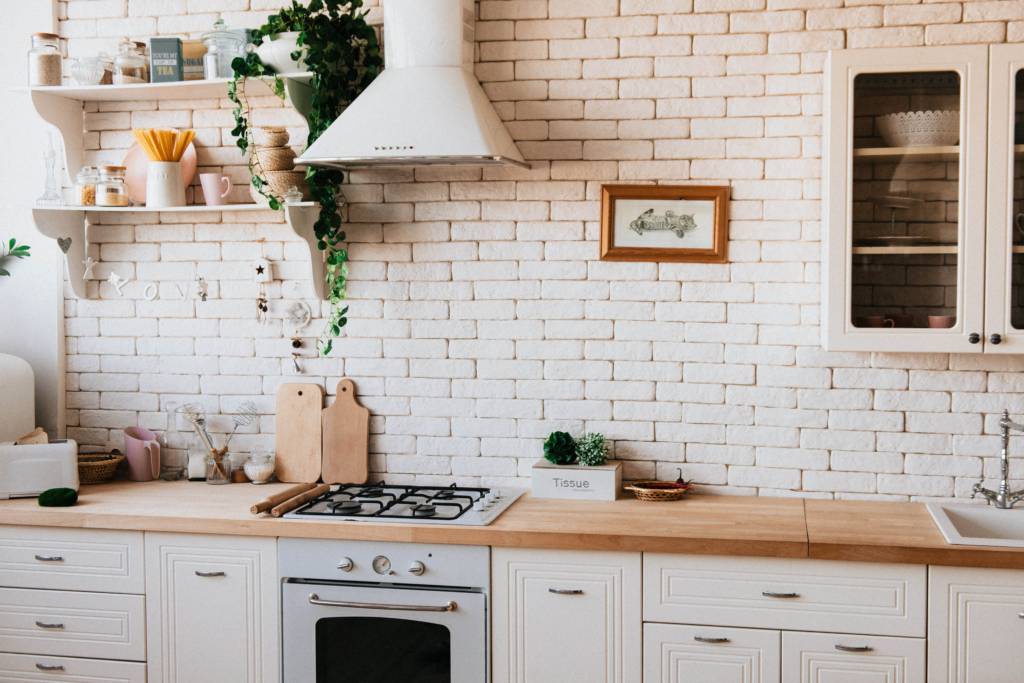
[343, 54]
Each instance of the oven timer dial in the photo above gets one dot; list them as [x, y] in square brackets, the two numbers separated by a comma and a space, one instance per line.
[417, 568]
[381, 565]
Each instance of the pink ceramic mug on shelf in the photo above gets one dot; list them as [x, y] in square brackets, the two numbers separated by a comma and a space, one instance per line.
[216, 188]
[143, 454]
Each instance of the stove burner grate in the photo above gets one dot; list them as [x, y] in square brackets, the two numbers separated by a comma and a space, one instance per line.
[381, 500]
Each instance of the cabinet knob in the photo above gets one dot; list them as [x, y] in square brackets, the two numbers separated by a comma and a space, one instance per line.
[346, 564]
[995, 338]
[974, 337]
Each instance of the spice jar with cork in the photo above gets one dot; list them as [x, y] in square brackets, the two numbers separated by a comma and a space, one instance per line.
[111, 190]
[44, 60]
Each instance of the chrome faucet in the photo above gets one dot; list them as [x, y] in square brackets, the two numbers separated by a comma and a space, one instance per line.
[1003, 499]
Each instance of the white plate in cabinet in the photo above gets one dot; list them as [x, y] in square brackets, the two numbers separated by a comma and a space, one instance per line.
[212, 609]
[565, 615]
[70, 624]
[710, 654]
[71, 559]
[36, 668]
[801, 595]
[843, 658]
[975, 625]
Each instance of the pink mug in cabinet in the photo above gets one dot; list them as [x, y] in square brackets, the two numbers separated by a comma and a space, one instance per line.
[216, 188]
[143, 454]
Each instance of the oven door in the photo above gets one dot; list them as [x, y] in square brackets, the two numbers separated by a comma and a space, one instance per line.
[339, 632]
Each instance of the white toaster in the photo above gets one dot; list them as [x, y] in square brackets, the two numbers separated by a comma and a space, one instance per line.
[28, 470]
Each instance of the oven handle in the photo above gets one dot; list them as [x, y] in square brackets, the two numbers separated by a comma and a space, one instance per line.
[450, 606]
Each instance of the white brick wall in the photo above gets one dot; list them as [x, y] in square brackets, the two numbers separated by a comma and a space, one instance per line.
[480, 317]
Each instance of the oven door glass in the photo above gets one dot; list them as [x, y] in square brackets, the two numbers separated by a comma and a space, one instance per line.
[334, 632]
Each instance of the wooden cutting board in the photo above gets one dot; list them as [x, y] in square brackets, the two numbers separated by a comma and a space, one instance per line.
[298, 443]
[346, 426]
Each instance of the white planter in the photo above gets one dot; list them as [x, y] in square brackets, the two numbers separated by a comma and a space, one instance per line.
[277, 52]
[577, 482]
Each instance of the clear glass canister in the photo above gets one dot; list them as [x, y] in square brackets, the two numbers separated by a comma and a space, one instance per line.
[44, 60]
[111, 190]
[85, 185]
[130, 64]
[222, 46]
[259, 467]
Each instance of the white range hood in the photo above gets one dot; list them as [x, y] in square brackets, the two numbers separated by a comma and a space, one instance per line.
[426, 107]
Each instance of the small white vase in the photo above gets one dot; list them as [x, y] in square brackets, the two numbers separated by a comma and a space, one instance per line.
[276, 52]
[165, 186]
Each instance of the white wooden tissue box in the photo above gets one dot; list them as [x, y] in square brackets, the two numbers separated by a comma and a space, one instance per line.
[576, 482]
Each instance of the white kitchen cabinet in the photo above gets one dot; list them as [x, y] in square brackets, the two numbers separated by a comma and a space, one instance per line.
[924, 238]
[840, 658]
[975, 625]
[561, 615]
[36, 668]
[705, 654]
[212, 608]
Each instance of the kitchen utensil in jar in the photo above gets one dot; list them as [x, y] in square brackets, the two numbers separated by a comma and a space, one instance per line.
[143, 453]
[216, 188]
[44, 60]
[346, 433]
[298, 441]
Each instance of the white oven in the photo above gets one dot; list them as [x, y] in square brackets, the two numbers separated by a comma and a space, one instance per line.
[383, 612]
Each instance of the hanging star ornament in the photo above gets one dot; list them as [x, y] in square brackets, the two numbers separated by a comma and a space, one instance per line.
[89, 264]
[118, 282]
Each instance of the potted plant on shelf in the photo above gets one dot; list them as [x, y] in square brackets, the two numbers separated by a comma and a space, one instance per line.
[576, 469]
[332, 40]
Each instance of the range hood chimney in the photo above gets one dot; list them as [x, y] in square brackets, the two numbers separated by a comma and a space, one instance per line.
[426, 107]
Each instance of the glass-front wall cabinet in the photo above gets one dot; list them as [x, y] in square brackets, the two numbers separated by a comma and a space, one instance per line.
[905, 228]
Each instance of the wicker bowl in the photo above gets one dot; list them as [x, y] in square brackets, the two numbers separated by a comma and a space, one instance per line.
[96, 468]
[275, 158]
[278, 184]
[920, 128]
[270, 136]
[657, 491]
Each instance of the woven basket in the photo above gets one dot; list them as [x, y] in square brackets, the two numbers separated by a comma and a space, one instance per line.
[657, 491]
[276, 158]
[98, 467]
[270, 136]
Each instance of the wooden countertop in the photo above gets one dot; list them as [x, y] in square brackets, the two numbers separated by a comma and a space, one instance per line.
[719, 525]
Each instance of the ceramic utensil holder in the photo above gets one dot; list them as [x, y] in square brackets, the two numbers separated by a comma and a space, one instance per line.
[165, 186]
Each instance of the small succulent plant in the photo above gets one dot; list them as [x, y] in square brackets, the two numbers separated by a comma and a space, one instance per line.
[592, 449]
[560, 448]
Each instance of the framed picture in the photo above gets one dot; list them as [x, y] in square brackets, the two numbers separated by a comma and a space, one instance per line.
[686, 223]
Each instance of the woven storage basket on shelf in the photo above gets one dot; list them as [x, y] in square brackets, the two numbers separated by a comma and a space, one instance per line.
[96, 468]
[655, 491]
[276, 158]
[270, 136]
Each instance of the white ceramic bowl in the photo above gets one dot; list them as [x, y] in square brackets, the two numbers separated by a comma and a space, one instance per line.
[920, 128]
[277, 52]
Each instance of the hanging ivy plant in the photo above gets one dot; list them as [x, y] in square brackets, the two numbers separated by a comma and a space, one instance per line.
[343, 54]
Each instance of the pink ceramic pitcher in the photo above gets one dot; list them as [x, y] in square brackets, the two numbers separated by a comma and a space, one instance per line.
[143, 454]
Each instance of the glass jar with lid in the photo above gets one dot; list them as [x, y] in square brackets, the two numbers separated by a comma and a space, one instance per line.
[85, 185]
[111, 189]
[222, 46]
[44, 60]
[130, 64]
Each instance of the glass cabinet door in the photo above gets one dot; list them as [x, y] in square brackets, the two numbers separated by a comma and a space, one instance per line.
[906, 184]
[1004, 312]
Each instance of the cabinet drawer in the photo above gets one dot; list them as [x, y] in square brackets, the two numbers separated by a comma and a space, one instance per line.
[35, 668]
[71, 559]
[801, 595]
[844, 658]
[66, 623]
[681, 654]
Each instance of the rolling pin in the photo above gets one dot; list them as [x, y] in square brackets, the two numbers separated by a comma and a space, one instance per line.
[298, 500]
[278, 498]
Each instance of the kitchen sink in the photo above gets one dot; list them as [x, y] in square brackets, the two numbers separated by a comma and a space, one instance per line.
[979, 525]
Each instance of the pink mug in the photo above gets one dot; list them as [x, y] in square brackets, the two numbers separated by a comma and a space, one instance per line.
[143, 454]
[212, 184]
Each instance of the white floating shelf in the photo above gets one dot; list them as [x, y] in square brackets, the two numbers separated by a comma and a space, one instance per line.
[176, 90]
[193, 208]
[929, 153]
[922, 249]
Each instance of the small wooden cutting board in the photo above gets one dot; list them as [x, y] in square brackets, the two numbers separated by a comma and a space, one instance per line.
[346, 430]
[298, 444]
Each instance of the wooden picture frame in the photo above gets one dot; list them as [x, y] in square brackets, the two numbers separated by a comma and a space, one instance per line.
[662, 215]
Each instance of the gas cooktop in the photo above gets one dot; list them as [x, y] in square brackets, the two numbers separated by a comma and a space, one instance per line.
[382, 502]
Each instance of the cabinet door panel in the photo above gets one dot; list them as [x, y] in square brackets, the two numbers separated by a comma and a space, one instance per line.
[706, 654]
[841, 658]
[71, 559]
[212, 609]
[975, 632]
[566, 616]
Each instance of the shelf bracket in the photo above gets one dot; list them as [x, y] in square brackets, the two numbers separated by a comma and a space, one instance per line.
[300, 94]
[68, 229]
[301, 220]
[67, 118]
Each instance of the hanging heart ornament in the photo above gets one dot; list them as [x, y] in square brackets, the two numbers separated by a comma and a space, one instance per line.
[64, 243]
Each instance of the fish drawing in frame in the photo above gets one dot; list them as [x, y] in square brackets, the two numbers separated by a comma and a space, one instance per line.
[648, 221]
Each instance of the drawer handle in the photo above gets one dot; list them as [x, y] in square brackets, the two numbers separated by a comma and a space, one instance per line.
[566, 591]
[854, 648]
[712, 641]
[49, 558]
[1020, 615]
[783, 596]
[209, 575]
[52, 627]
[49, 667]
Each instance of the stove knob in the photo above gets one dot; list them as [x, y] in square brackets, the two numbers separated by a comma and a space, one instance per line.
[346, 564]
[417, 568]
